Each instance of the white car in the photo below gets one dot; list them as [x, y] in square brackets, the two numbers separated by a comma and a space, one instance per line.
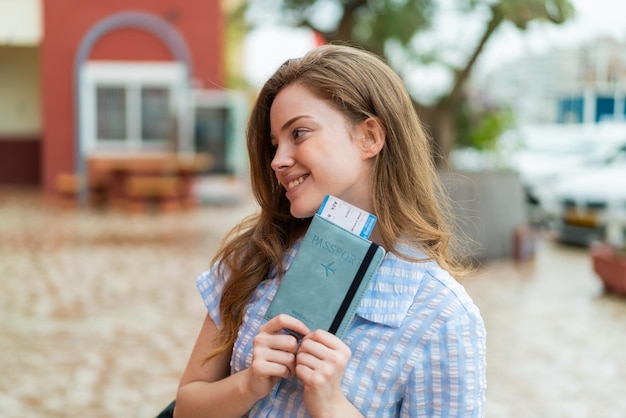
[551, 161]
[585, 199]
[543, 153]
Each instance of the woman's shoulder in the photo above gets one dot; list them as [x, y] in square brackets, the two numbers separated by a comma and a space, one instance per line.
[211, 284]
[406, 287]
[438, 281]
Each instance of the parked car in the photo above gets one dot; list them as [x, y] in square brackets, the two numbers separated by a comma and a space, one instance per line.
[547, 158]
[542, 153]
[584, 199]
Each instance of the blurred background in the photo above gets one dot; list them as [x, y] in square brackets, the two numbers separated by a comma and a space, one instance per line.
[123, 164]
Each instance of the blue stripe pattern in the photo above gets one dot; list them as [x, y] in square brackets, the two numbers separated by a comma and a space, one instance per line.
[417, 341]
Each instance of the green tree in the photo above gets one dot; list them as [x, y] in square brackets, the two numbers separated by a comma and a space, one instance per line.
[479, 127]
[389, 28]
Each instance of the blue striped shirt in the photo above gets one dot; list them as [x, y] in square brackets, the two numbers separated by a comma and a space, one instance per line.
[417, 342]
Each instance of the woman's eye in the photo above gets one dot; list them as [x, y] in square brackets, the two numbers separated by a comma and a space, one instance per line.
[298, 133]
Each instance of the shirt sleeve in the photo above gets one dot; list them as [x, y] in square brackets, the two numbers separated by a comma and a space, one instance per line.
[211, 285]
[451, 377]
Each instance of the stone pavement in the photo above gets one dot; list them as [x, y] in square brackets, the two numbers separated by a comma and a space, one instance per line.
[98, 313]
[556, 342]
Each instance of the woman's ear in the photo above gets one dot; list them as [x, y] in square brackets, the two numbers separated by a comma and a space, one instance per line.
[373, 137]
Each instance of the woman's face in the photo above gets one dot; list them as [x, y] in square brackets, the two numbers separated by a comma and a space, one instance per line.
[318, 152]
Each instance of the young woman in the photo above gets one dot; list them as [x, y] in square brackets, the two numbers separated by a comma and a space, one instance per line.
[338, 121]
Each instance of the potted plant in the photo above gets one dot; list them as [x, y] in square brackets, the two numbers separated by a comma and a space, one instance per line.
[487, 193]
[609, 256]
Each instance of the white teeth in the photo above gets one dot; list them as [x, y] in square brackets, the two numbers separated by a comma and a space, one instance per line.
[295, 182]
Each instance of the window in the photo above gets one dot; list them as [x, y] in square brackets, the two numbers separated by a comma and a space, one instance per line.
[133, 106]
[219, 118]
[111, 113]
[156, 123]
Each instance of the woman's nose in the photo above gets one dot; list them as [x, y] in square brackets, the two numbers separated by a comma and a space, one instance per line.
[283, 158]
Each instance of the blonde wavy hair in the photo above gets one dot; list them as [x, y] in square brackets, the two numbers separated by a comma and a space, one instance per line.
[408, 199]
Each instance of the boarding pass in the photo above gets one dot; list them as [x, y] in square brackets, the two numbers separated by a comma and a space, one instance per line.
[347, 216]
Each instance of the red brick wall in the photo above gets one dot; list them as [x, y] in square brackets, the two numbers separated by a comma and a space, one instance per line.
[19, 161]
[131, 45]
[66, 23]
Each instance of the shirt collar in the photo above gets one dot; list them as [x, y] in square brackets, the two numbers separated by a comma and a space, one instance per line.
[392, 290]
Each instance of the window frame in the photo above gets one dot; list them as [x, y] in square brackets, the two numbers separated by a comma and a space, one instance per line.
[133, 76]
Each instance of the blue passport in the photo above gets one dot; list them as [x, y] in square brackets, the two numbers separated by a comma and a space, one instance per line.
[327, 277]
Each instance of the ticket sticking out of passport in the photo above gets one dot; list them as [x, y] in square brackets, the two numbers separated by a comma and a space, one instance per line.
[347, 216]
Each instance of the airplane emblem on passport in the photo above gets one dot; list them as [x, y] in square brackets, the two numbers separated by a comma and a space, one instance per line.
[329, 268]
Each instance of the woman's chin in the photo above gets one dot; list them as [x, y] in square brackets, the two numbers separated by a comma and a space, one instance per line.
[302, 213]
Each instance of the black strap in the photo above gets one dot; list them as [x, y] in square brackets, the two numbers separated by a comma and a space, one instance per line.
[358, 278]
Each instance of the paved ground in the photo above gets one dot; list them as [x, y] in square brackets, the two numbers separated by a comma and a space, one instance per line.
[98, 312]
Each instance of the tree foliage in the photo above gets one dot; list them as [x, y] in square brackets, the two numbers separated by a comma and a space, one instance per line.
[386, 26]
[480, 128]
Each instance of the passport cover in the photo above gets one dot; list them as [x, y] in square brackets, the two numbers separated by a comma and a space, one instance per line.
[327, 277]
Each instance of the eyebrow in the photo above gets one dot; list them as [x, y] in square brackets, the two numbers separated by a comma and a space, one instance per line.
[293, 120]
[290, 122]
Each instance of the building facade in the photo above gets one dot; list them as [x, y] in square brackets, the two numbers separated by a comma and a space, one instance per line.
[20, 99]
[586, 84]
[106, 77]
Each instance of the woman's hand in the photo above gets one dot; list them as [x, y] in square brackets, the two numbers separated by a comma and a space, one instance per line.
[274, 354]
[320, 364]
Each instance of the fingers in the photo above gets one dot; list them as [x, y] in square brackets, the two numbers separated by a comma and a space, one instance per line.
[274, 358]
[285, 322]
[321, 357]
[274, 350]
[322, 343]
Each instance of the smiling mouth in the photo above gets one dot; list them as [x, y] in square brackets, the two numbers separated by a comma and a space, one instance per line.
[295, 182]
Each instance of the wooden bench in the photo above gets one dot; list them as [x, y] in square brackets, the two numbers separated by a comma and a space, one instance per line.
[147, 192]
[67, 187]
